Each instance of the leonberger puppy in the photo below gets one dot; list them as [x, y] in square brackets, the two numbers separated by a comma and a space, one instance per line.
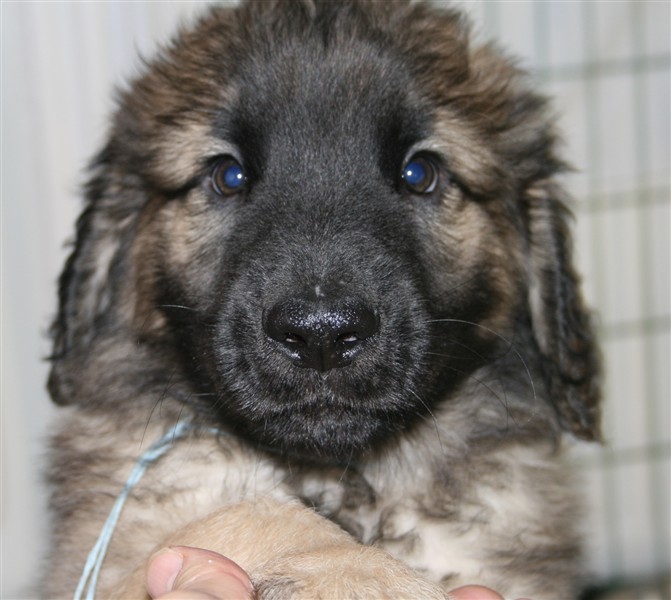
[326, 240]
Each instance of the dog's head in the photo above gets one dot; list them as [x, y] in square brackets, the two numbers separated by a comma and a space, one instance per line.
[317, 221]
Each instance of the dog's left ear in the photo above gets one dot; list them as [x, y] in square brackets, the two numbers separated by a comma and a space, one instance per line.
[562, 325]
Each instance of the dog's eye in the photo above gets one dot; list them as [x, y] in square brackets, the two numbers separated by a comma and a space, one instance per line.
[228, 177]
[420, 175]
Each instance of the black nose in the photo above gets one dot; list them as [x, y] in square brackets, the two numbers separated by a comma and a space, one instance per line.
[320, 335]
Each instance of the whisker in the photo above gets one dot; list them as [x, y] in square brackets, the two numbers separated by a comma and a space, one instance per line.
[503, 402]
[344, 472]
[511, 346]
[433, 417]
[466, 347]
[159, 401]
[445, 355]
[484, 361]
[176, 306]
[460, 284]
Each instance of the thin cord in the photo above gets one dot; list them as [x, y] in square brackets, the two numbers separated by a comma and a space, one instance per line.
[89, 578]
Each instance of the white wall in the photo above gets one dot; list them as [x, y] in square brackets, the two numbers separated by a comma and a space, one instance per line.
[60, 61]
[608, 65]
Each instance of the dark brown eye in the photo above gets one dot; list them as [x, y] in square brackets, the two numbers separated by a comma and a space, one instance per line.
[420, 175]
[228, 177]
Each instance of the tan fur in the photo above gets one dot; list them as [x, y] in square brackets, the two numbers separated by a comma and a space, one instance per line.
[293, 553]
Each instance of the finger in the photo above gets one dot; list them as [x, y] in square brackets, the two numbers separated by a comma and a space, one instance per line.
[474, 592]
[196, 574]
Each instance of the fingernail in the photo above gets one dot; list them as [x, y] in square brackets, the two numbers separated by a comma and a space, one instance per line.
[165, 566]
[174, 563]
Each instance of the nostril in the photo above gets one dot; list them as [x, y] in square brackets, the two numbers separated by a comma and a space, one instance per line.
[348, 338]
[294, 339]
[285, 323]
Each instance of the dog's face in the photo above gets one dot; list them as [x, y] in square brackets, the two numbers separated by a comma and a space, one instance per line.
[327, 217]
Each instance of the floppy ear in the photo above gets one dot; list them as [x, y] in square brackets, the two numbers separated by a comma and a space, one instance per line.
[88, 290]
[561, 323]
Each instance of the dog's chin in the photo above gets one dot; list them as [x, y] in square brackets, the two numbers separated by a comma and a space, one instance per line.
[317, 428]
[337, 440]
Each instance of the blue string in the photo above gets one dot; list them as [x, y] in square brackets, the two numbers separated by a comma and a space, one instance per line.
[97, 554]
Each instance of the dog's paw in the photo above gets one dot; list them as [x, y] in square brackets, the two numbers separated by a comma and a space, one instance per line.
[355, 572]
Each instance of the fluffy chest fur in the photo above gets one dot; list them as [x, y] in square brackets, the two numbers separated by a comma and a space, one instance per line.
[446, 518]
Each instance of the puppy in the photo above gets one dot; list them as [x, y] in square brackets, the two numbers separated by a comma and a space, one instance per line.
[328, 239]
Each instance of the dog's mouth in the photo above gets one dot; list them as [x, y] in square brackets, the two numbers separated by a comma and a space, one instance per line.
[322, 377]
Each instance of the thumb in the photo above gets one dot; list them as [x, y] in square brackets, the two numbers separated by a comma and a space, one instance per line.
[474, 592]
[196, 574]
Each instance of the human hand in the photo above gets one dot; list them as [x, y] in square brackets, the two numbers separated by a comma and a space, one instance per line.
[187, 573]
[183, 573]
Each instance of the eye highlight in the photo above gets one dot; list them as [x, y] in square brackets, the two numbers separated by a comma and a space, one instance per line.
[420, 175]
[228, 177]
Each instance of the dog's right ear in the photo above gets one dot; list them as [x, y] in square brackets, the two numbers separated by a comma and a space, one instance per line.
[88, 289]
